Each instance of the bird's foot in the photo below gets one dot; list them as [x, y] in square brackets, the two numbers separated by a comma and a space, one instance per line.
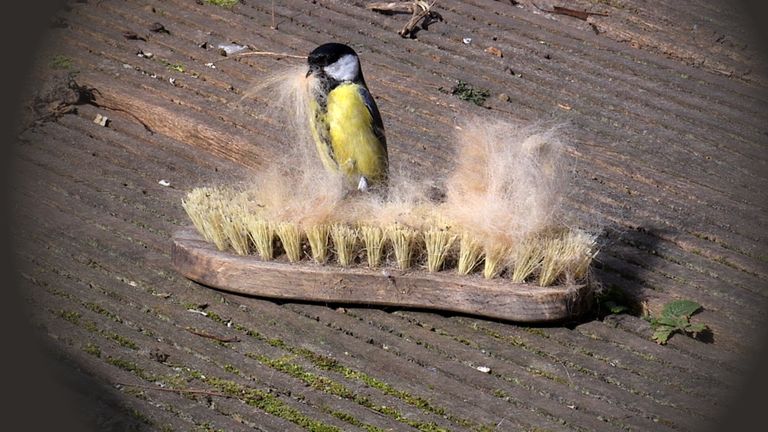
[362, 185]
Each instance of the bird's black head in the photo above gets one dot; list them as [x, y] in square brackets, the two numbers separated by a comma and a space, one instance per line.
[329, 53]
[335, 61]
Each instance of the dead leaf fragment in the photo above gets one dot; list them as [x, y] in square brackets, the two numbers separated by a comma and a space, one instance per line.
[157, 27]
[133, 36]
[495, 51]
[101, 120]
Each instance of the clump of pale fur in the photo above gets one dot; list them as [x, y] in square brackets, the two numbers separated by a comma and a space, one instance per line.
[283, 98]
[506, 185]
[297, 189]
[398, 217]
[502, 202]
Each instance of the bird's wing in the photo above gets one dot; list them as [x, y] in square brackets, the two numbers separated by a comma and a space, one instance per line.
[321, 134]
[378, 125]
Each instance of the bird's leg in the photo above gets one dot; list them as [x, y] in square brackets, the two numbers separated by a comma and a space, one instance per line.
[362, 185]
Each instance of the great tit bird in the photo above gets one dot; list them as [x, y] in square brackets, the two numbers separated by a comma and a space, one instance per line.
[344, 120]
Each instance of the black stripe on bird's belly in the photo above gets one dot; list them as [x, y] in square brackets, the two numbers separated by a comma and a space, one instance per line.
[321, 125]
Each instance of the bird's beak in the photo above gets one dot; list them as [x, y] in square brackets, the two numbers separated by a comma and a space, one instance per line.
[310, 72]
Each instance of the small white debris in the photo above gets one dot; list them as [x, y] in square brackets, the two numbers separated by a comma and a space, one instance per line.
[172, 80]
[483, 369]
[211, 65]
[101, 120]
[164, 182]
[205, 314]
[127, 66]
[132, 283]
[467, 40]
[229, 49]
[143, 54]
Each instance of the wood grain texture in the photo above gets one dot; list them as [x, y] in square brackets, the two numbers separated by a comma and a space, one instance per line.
[200, 261]
[665, 108]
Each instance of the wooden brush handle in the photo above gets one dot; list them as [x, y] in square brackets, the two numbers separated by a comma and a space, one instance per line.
[200, 261]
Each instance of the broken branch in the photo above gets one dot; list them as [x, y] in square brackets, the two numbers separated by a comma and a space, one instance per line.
[582, 15]
[214, 337]
[391, 7]
[421, 12]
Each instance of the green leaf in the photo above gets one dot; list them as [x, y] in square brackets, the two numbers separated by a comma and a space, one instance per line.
[669, 321]
[467, 92]
[695, 328]
[662, 334]
[615, 308]
[680, 308]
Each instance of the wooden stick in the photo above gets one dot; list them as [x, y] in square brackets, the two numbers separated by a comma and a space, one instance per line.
[175, 390]
[260, 53]
[391, 7]
[582, 15]
[274, 25]
[210, 336]
[268, 53]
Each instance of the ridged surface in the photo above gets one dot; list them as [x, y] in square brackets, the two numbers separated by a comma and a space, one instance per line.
[665, 119]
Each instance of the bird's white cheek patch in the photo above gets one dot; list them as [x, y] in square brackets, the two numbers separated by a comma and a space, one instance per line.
[344, 69]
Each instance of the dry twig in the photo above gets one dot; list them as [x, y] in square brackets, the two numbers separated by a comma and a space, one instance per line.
[269, 53]
[421, 11]
[214, 337]
[582, 15]
[175, 390]
[260, 53]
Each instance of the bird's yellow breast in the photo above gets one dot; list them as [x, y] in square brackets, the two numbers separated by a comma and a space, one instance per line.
[356, 148]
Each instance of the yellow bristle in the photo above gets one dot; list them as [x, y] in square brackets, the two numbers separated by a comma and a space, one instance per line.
[527, 258]
[262, 235]
[496, 257]
[202, 206]
[317, 235]
[213, 224]
[554, 262]
[402, 239]
[373, 241]
[438, 241]
[191, 205]
[290, 237]
[580, 248]
[469, 254]
[344, 240]
[236, 233]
